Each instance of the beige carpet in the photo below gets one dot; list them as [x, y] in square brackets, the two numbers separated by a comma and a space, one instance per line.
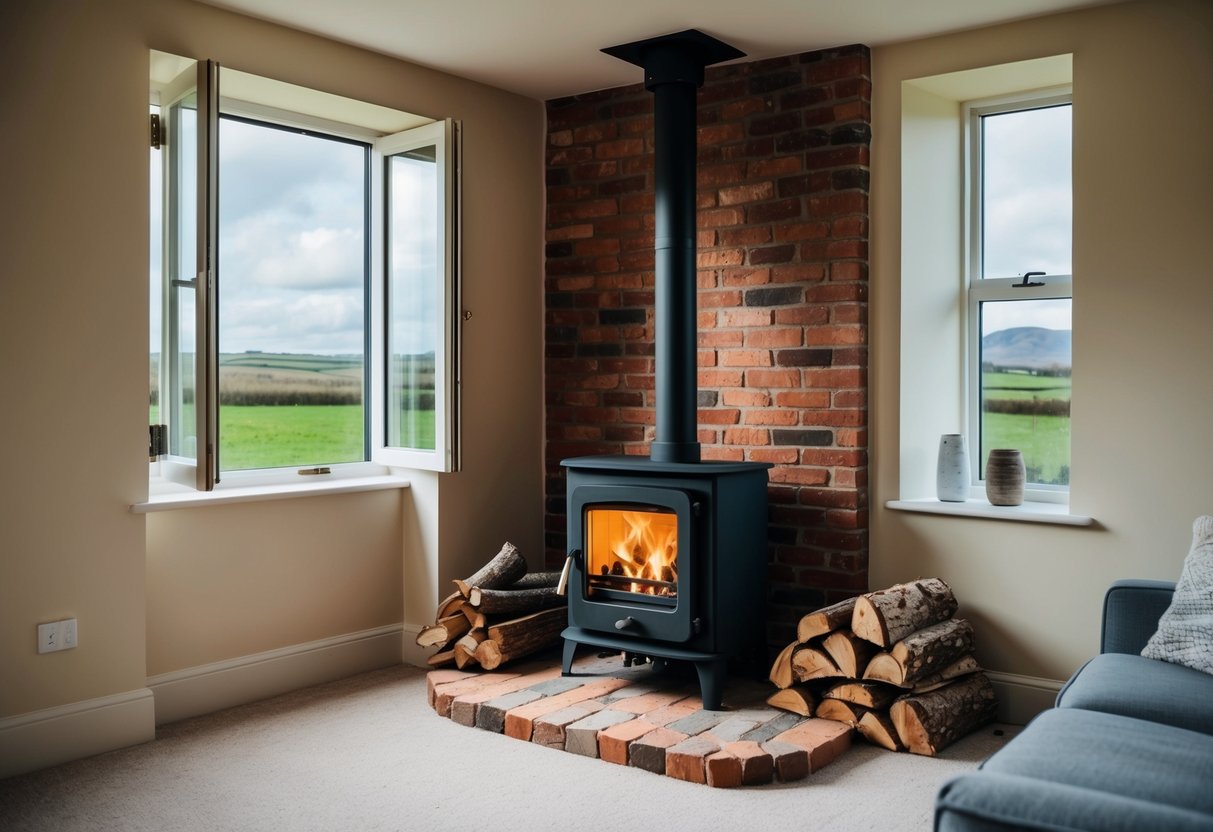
[367, 753]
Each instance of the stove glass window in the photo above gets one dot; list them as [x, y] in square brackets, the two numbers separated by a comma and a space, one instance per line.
[632, 550]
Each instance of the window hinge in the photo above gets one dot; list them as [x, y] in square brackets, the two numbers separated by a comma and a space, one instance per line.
[157, 441]
[157, 132]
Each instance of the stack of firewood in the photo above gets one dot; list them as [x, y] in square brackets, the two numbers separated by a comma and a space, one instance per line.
[499, 614]
[893, 664]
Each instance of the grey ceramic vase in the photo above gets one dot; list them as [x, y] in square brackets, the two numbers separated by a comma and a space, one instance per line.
[952, 473]
[1005, 477]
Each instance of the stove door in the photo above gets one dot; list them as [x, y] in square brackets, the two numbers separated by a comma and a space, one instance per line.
[635, 575]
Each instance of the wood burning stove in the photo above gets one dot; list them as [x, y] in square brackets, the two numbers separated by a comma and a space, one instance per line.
[669, 562]
[667, 554]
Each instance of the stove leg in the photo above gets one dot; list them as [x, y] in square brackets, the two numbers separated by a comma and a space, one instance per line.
[570, 649]
[711, 682]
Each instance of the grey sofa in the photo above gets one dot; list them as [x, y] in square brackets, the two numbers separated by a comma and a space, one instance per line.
[1128, 747]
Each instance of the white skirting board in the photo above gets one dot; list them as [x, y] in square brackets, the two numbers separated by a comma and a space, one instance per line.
[51, 736]
[213, 687]
[1020, 698]
[410, 653]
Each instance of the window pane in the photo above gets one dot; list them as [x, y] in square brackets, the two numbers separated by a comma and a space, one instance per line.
[292, 284]
[182, 204]
[415, 273]
[1026, 204]
[1025, 385]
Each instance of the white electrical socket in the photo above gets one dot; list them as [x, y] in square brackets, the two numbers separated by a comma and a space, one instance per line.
[57, 635]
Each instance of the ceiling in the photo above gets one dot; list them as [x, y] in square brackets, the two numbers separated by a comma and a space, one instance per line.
[550, 48]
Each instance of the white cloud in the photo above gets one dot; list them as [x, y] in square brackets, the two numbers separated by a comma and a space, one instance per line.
[317, 322]
[1050, 314]
[268, 251]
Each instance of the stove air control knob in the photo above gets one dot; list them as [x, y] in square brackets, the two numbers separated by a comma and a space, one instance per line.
[626, 623]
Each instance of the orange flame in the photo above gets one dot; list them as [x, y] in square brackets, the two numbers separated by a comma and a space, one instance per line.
[635, 544]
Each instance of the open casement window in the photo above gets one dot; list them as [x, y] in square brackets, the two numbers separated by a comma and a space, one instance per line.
[1020, 286]
[415, 339]
[338, 290]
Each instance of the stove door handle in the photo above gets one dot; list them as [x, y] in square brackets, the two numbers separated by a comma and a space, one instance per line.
[626, 623]
[562, 587]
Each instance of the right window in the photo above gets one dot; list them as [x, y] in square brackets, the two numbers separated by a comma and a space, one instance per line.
[1019, 285]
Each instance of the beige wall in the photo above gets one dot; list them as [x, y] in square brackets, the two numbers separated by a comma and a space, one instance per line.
[241, 579]
[169, 591]
[1143, 207]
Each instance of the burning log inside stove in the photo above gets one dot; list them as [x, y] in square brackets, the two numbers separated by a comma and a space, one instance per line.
[500, 613]
[633, 550]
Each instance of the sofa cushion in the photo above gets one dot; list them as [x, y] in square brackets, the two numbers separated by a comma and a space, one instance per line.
[1114, 755]
[989, 802]
[1185, 631]
[1119, 683]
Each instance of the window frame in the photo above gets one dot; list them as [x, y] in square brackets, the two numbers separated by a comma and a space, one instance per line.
[979, 289]
[203, 474]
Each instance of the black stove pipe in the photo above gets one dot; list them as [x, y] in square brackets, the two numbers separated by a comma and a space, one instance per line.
[673, 70]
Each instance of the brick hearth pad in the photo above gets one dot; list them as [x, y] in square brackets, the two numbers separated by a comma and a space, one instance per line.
[635, 716]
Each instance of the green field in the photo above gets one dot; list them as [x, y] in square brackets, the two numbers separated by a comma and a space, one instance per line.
[293, 410]
[1024, 386]
[259, 436]
[1044, 439]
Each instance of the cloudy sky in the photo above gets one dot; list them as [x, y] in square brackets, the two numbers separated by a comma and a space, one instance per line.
[292, 235]
[292, 242]
[1027, 210]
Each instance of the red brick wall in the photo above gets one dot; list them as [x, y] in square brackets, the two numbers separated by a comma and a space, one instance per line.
[783, 288]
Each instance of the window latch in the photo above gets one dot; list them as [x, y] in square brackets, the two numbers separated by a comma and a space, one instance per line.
[1027, 280]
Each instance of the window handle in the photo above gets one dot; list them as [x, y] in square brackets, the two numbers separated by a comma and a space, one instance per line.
[1027, 281]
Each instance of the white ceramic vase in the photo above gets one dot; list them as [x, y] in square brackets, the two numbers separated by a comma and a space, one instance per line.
[952, 474]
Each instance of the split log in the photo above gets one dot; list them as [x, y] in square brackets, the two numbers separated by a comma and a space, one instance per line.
[850, 652]
[448, 605]
[868, 694]
[445, 631]
[465, 648]
[519, 637]
[920, 654]
[839, 710]
[811, 663]
[891, 614]
[930, 722]
[961, 667]
[797, 699]
[535, 580]
[825, 620]
[528, 627]
[506, 567]
[877, 728]
[781, 670]
[476, 619]
[443, 658]
[499, 601]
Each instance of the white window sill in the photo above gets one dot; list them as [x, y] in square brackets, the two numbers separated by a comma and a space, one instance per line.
[1057, 513]
[170, 497]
